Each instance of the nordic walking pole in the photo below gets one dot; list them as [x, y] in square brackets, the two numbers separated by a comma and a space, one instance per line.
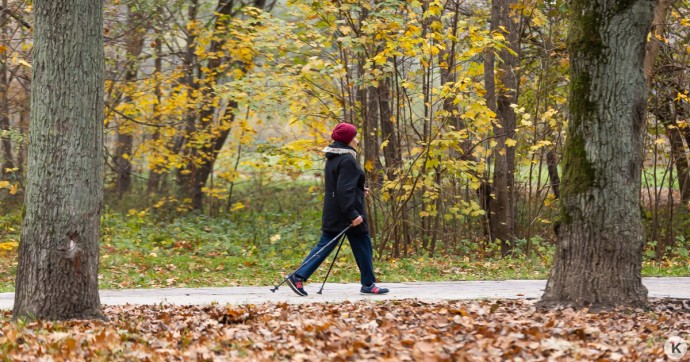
[342, 240]
[337, 237]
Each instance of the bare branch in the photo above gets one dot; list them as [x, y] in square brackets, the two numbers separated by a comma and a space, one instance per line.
[16, 17]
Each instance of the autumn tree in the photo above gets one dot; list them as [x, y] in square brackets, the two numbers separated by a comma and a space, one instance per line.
[11, 24]
[57, 274]
[501, 95]
[666, 71]
[207, 128]
[134, 44]
[6, 155]
[540, 115]
[599, 253]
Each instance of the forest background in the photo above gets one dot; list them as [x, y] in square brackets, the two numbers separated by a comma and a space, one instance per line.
[216, 112]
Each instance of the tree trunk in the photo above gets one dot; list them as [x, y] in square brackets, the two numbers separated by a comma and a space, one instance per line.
[485, 192]
[6, 156]
[201, 160]
[683, 167]
[502, 220]
[369, 136]
[664, 108]
[57, 274]
[448, 74]
[125, 139]
[663, 100]
[552, 167]
[189, 81]
[654, 44]
[391, 153]
[210, 152]
[24, 114]
[154, 173]
[370, 132]
[123, 165]
[598, 259]
[680, 159]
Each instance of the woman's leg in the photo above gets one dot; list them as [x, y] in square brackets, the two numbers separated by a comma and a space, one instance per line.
[361, 247]
[310, 266]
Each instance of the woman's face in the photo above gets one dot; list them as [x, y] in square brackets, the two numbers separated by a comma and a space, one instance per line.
[354, 143]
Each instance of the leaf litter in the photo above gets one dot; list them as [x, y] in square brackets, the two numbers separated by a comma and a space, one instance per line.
[401, 330]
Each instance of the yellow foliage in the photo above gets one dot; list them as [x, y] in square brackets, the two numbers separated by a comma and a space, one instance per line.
[9, 246]
[215, 192]
[293, 80]
[159, 204]
[369, 165]
[237, 206]
[540, 144]
[538, 18]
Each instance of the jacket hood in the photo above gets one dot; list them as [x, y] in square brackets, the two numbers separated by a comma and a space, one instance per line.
[339, 148]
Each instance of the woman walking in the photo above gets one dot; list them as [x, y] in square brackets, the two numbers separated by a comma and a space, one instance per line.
[343, 205]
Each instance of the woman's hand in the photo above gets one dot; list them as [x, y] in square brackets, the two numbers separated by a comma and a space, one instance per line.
[366, 191]
[357, 221]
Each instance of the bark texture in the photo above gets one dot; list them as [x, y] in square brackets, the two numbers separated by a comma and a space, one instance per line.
[599, 254]
[552, 167]
[502, 208]
[57, 276]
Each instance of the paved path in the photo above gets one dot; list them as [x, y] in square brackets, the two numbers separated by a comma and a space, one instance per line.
[428, 291]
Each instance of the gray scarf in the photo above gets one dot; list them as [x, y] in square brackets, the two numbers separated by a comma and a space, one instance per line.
[340, 151]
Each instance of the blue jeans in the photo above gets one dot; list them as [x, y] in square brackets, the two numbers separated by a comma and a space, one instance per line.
[360, 243]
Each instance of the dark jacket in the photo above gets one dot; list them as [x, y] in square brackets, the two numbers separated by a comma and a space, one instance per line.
[344, 193]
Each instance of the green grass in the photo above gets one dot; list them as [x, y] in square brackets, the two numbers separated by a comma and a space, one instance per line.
[137, 251]
[660, 175]
[260, 244]
[194, 251]
[141, 250]
[666, 268]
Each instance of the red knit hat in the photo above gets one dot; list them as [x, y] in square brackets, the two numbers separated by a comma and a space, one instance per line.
[344, 132]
